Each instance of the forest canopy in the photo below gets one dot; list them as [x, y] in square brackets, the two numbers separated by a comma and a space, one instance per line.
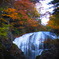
[53, 23]
[19, 15]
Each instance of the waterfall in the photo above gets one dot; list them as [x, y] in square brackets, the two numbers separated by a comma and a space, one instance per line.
[32, 43]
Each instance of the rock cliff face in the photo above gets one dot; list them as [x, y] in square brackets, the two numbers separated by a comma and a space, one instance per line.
[51, 53]
[8, 50]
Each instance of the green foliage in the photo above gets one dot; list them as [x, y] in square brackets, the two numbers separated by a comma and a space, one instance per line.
[4, 30]
[1, 9]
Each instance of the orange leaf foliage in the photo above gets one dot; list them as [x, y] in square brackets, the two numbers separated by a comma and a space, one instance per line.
[32, 23]
[10, 12]
[22, 14]
[26, 7]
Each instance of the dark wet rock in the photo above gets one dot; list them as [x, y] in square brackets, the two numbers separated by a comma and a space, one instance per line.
[52, 53]
[12, 53]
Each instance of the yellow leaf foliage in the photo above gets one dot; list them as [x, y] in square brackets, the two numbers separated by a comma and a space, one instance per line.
[53, 24]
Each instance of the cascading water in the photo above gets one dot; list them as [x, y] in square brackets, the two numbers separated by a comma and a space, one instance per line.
[32, 43]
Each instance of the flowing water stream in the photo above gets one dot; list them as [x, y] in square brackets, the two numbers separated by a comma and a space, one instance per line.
[32, 43]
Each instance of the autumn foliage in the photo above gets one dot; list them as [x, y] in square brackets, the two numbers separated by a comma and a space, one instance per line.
[22, 16]
[54, 22]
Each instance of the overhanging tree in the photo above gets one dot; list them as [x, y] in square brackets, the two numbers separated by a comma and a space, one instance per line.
[54, 18]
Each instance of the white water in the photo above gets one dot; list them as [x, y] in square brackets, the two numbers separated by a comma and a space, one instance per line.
[32, 43]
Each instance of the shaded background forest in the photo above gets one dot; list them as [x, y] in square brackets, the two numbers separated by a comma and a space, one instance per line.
[18, 17]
